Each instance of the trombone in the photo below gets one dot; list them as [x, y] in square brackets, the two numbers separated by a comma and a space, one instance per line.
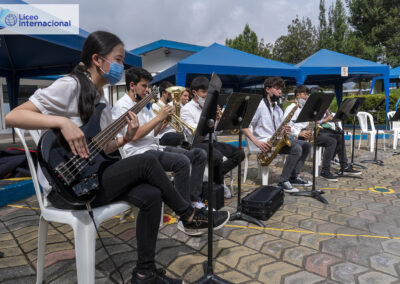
[176, 122]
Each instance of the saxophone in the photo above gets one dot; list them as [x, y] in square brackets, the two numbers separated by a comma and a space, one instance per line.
[310, 128]
[279, 140]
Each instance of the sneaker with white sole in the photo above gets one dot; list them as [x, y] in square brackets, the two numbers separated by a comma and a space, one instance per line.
[287, 187]
[328, 176]
[299, 181]
[199, 224]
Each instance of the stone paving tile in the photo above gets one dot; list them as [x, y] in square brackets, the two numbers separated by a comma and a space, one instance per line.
[346, 272]
[303, 277]
[360, 254]
[257, 241]
[250, 265]
[276, 248]
[386, 262]
[275, 272]
[376, 278]
[297, 255]
[320, 263]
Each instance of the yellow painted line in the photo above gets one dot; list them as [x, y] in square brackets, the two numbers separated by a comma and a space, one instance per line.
[18, 179]
[22, 206]
[310, 232]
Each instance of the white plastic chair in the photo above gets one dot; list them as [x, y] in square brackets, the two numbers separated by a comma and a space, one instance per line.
[263, 171]
[79, 220]
[365, 119]
[123, 154]
[394, 127]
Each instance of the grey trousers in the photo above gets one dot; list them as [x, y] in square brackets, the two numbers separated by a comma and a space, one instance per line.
[187, 183]
[297, 154]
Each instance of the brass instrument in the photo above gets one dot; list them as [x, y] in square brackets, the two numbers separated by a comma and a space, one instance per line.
[279, 140]
[176, 122]
[310, 128]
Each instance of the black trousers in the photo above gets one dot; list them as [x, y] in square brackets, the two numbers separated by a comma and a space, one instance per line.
[297, 154]
[339, 145]
[329, 143]
[139, 180]
[220, 150]
[172, 139]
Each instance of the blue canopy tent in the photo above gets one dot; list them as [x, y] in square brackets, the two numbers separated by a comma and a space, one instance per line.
[237, 69]
[40, 55]
[324, 68]
[394, 77]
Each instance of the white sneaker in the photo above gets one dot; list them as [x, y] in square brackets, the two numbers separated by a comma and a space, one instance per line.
[199, 204]
[287, 187]
[227, 191]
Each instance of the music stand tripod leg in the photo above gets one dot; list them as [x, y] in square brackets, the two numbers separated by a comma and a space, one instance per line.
[313, 192]
[239, 215]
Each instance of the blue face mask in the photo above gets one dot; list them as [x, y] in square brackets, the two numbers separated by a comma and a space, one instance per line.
[114, 74]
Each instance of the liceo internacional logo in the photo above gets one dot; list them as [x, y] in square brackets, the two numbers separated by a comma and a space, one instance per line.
[39, 19]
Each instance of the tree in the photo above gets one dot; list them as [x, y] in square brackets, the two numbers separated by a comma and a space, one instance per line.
[338, 26]
[376, 23]
[248, 41]
[324, 36]
[299, 43]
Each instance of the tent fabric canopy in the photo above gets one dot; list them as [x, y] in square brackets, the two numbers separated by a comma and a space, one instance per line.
[324, 68]
[39, 55]
[237, 69]
[394, 77]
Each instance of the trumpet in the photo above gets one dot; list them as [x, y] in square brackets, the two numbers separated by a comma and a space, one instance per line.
[176, 122]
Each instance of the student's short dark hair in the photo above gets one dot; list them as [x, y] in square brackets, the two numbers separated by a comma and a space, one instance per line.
[301, 89]
[271, 82]
[135, 74]
[199, 83]
[164, 85]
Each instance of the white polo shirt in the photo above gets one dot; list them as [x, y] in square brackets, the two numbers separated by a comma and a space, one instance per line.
[266, 120]
[146, 143]
[190, 113]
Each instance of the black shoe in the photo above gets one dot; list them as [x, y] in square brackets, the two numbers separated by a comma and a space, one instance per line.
[155, 277]
[349, 170]
[300, 181]
[199, 224]
[329, 176]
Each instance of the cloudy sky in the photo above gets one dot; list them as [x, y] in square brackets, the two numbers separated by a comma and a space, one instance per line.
[201, 22]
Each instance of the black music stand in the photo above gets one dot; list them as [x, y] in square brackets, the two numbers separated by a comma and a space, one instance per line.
[396, 117]
[1, 254]
[353, 113]
[238, 113]
[206, 126]
[375, 160]
[344, 111]
[314, 109]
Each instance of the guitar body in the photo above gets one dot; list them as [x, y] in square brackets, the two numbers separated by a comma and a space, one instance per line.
[73, 179]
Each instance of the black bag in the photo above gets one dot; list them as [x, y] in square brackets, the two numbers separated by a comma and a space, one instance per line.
[218, 196]
[263, 202]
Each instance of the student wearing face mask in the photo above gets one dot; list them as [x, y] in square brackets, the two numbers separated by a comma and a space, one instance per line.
[190, 113]
[265, 122]
[69, 103]
[328, 138]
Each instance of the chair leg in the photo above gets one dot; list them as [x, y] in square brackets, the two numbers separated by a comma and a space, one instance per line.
[162, 214]
[359, 141]
[42, 238]
[264, 175]
[246, 166]
[372, 142]
[232, 185]
[85, 250]
[395, 137]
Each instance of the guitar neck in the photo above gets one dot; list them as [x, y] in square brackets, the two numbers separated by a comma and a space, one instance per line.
[106, 135]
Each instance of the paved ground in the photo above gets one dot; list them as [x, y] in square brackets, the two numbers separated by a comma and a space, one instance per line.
[354, 239]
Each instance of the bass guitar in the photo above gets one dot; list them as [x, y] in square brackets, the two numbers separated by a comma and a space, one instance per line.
[73, 178]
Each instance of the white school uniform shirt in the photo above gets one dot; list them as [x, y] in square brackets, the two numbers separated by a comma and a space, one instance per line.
[265, 121]
[146, 143]
[168, 128]
[61, 99]
[190, 113]
[296, 128]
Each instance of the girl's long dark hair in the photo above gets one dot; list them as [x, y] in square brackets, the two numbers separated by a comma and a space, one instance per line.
[101, 43]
